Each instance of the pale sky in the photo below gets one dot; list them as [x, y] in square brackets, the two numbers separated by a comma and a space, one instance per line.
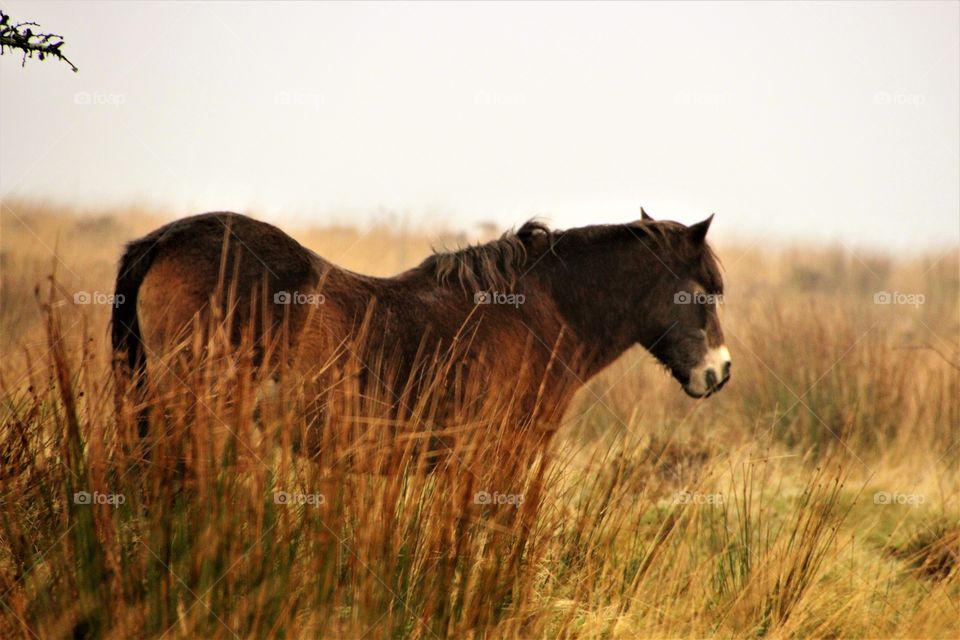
[794, 122]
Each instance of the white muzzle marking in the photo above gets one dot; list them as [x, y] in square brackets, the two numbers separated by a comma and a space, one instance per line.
[710, 374]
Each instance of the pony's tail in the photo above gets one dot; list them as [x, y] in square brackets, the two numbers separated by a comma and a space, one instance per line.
[128, 353]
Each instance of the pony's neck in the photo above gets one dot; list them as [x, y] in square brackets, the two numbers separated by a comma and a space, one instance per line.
[596, 302]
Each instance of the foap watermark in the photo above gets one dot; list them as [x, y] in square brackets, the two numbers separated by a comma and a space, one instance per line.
[898, 297]
[98, 297]
[298, 297]
[499, 297]
[312, 499]
[697, 297]
[693, 497]
[485, 497]
[900, 99]
[906, 499]
[85, 497]
[97, 99]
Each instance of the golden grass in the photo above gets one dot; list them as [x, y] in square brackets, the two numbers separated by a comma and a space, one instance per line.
[816, 496]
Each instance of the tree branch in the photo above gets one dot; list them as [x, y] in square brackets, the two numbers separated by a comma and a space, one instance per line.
[20, 37]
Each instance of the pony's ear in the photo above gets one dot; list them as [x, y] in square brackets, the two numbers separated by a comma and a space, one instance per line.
[698, 232]
[645, 216]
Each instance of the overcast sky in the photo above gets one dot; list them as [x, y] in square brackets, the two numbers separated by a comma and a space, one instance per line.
[816, 121]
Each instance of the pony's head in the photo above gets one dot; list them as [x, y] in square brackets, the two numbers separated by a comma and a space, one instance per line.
[682, 289]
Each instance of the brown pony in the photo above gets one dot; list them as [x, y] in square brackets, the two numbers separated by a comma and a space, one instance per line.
[528, 318]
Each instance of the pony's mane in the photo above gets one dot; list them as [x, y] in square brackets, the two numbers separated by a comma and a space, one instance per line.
[494, 265]
[500, 263]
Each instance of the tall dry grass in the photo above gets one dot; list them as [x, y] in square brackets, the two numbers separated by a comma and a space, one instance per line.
[816, 496]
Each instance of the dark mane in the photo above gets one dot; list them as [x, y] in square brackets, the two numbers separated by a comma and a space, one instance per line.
[668, 242]
[497, 264]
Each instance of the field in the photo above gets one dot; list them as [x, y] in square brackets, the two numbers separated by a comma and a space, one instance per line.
[815, 496]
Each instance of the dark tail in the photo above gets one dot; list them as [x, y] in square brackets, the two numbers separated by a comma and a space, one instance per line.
[128, 353]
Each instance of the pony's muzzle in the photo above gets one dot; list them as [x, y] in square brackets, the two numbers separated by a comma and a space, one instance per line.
[711, 375]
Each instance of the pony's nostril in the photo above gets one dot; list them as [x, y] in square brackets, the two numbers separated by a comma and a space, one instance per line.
[711, 379]
[726, 369]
